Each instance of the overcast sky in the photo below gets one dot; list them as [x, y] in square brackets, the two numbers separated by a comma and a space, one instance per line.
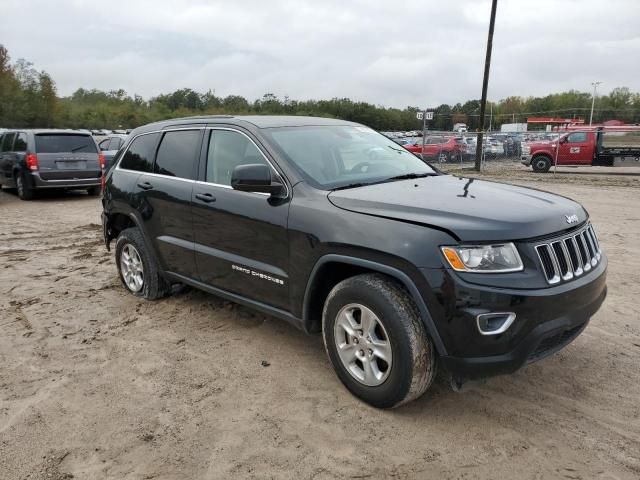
[393, 53]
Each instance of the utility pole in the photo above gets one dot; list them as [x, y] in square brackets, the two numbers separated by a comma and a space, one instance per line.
[485, 82]
[490, 115]
[593, 99]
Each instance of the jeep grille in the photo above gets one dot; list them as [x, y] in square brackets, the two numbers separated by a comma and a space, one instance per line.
[569, 256]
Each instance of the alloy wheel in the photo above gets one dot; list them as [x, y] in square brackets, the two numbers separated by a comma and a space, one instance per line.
[363, 345]
[132, 268]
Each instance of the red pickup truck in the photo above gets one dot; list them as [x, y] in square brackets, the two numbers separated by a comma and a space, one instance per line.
[600, 146]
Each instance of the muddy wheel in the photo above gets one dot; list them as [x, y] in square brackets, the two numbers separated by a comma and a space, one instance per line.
[541, 164]
[25, 191]
[137, 267]
[376, 341]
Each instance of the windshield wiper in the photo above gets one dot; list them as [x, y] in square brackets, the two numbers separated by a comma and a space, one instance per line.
[410, 176]
[351, 185]
[77, 148]
[396, 149]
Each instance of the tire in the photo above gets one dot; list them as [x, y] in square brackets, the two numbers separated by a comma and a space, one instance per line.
[397, 329]
[131, 250]
[23, 187]
[94, 191]
[541, 164]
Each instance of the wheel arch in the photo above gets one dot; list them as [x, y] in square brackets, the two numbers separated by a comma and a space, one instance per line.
[331, 269]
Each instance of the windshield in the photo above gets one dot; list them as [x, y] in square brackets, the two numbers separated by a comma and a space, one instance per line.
[332, 157]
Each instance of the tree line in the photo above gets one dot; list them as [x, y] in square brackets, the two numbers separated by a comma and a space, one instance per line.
[28, 98]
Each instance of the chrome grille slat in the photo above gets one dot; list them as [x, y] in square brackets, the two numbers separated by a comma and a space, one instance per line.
[592, 237]
[569, 256]
[586, 261]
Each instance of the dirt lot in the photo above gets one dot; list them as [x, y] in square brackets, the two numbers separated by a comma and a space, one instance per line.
[95, 383]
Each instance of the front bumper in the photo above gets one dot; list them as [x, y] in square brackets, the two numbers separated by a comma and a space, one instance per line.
[525, 160]
[547, 320]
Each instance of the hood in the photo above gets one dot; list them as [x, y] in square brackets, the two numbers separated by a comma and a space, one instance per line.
[470, 209]
[542, 143]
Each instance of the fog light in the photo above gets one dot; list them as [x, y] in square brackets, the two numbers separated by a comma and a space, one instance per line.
[495, 323]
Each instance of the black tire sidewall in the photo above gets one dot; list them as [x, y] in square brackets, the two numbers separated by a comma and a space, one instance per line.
[153, 286]
[397, 385]
[547, 164]
[26, 192]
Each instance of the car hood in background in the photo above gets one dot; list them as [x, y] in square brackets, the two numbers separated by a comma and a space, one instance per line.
[471, 209]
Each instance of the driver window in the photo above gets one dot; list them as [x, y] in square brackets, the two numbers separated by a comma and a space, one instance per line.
[577, 137]
[227, 150]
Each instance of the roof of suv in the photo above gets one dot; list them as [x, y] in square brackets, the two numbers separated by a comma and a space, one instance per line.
[259, 121]
[40, 131]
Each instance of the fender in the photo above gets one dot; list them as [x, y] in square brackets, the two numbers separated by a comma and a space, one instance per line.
[392, 272]
[137, 222]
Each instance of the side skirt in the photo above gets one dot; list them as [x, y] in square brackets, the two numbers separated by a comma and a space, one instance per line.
[262, 307]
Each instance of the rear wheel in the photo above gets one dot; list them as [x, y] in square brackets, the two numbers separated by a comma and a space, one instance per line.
[137, 267]
[94, 191]
[376, 341]
[25, 191]
[541, 164]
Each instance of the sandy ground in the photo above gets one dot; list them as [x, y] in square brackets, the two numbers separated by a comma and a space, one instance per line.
[95, 383]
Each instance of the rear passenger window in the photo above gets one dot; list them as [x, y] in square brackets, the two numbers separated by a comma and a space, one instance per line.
[227, 150]
[7, 141]
[20, 144]
[177, 154]
[139, 156]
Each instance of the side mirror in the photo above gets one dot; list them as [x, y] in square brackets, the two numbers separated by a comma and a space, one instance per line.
[255, 178]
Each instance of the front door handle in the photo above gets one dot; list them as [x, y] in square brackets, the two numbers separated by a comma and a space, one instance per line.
[205, 197]
[145, 185]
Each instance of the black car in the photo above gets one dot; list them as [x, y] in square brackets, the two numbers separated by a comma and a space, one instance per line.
[336, 229]
[46, 159]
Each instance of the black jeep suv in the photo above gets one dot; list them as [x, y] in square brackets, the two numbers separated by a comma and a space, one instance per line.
[337, 229]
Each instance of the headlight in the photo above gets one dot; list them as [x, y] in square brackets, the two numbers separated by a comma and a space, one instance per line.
[526, 150]
[484, 258]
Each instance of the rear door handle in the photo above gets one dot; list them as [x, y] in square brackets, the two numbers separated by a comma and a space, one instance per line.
[145, 185]
[205, 197]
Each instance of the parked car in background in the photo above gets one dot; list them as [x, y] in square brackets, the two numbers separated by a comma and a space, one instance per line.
[39, 159]
[441, 147]
[597, 146]
[110, 145]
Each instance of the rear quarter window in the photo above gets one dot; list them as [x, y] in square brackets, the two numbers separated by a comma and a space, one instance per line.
[139, 155]
[65, 143]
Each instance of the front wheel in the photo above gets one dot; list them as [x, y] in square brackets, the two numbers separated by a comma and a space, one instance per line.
[376, 341]
[541, 164]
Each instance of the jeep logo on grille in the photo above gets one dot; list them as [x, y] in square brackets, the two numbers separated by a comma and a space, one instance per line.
[571, 218]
